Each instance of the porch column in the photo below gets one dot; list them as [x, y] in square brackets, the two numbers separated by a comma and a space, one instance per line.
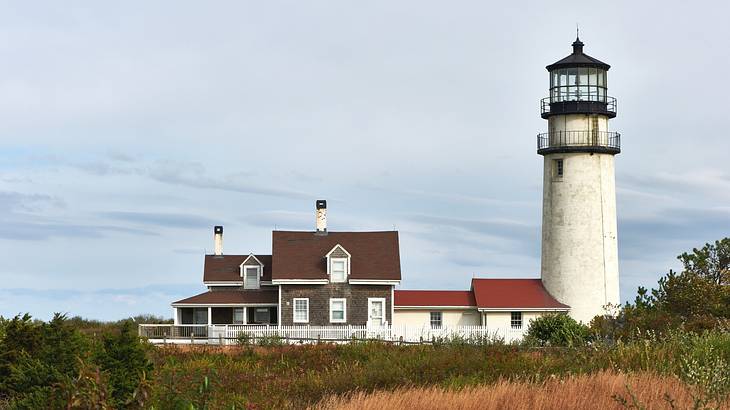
[210, 315]
[245, 315]
[175, 318]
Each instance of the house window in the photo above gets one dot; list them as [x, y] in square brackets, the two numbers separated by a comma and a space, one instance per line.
[436, 320]
[301, 310]
[558, 168]
[238, 316]
[338, 309]
[251, 277]
[261, 315]
[516, 320]
[338, 270]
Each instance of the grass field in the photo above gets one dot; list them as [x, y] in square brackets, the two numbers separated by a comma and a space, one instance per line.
[602, 390]
[374, 375]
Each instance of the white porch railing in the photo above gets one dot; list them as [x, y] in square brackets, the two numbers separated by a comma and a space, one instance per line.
[232, 334]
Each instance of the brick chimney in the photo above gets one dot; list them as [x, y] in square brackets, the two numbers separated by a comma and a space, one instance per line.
[321, 217]
[218, 239]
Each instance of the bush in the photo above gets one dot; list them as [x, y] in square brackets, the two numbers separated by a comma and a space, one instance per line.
[557, 330]
[124, 358]
[55, 365]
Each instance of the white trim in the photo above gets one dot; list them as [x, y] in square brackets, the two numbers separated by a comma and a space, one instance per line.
[251, 255]
[294, 308]
[344, 310]
[300, 281]
[374, 282]
[519, 309]
[436, 307]
[278, 309]
[385, 306]
[221, 304]
[222, 283]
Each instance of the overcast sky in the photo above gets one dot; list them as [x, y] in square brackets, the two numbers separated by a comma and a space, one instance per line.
[127, 130]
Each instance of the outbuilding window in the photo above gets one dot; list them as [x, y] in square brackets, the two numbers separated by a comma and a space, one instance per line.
[436, 320]
[516, 320]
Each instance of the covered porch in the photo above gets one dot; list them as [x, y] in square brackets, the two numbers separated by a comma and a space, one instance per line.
[229, 307]
[226, 315]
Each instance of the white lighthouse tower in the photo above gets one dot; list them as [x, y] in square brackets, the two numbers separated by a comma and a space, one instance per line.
[579, 246]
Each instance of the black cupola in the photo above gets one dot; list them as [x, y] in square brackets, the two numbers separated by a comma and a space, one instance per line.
[578, 85]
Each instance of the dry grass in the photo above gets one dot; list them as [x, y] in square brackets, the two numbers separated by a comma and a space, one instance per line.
[592, 391]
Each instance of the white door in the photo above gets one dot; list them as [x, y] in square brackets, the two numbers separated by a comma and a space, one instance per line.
[376, 311]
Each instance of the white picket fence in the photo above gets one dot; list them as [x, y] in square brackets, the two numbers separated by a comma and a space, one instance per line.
[233, 334]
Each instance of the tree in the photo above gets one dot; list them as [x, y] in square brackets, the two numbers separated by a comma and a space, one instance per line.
[697, 298]
[124, 358]
[711, 262]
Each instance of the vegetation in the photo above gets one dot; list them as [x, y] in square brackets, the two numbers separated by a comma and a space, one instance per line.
[602, 390]
[696, 299]
[557, 330]
[671, 345]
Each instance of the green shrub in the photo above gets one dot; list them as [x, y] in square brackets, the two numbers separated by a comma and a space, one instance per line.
[124, 358]
[557, 330]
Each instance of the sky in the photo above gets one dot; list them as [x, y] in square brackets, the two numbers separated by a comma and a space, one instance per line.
[129, 129]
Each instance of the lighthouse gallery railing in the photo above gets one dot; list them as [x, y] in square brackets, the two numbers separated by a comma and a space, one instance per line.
[586, 139]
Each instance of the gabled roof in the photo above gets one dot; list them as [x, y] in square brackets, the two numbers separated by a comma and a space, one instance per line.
[301, 255]
[232, 297]
[227, 268]
[446, 298]
[513, 294]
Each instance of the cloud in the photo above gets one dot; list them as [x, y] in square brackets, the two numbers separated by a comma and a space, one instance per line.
[670, 230]
[23, 217]
[34, 230]
[169, 220]
[117, 303]
[501, 228]
[16, 201]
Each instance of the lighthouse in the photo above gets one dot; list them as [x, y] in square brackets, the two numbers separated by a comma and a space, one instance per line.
[579, 261]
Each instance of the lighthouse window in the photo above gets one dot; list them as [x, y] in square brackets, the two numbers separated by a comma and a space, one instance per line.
[578, 84]
[558, 167]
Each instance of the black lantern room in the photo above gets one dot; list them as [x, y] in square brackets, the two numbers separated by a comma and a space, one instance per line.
[578, 85]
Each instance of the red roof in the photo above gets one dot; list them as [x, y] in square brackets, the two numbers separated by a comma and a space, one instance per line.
[232, 297]
[434, 298]
[302, 255]
[227, 268]
[513, 294]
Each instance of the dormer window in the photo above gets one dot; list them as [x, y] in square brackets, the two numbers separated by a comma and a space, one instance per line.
[251, 277]
[338, 264]
[251, 272]
[338, 270]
